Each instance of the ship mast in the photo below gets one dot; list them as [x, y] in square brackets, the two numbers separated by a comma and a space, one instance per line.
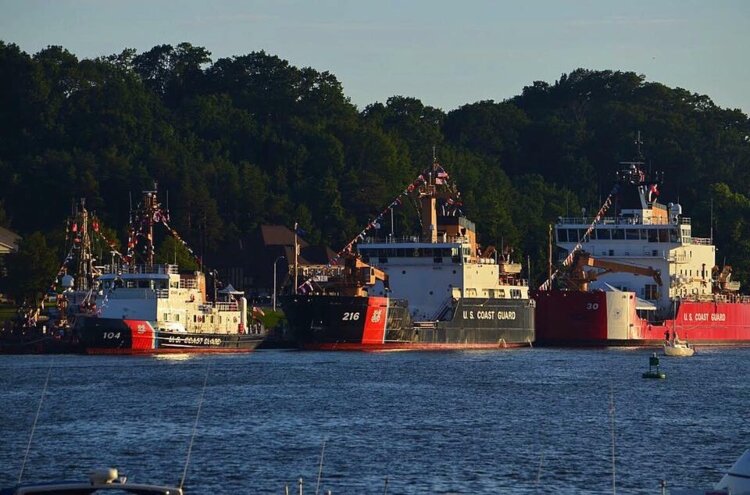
[148, 214]
[84, 268]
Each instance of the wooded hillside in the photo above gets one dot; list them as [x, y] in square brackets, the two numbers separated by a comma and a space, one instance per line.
[247, 140]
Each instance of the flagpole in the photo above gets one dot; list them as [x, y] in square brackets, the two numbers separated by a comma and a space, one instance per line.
[392, 228]
[295, 258]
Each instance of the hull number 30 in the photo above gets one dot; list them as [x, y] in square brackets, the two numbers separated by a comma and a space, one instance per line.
[592, 306]
[350, 316]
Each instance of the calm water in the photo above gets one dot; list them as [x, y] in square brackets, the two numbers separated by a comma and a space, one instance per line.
[520, 421]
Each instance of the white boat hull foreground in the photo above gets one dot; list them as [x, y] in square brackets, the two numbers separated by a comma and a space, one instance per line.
[735, 482]
[100, 481]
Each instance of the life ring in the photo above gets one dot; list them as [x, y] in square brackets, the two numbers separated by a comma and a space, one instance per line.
[240, 328]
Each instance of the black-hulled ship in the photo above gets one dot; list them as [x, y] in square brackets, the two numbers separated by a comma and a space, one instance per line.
[340, 314]
[153, 308]
[437, 290]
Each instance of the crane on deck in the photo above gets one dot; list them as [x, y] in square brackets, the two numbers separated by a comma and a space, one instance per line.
[579, 278]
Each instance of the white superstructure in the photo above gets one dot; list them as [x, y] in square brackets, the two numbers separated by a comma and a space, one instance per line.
[642, 232]
[171, 301]
[444, 264]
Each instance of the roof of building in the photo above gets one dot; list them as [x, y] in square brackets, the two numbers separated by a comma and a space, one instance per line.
[279, 235]
[9, 240]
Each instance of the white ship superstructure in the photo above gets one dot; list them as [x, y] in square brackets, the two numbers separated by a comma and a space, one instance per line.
[171, 301]
[645, 233]
[444, 264]
[431, 274]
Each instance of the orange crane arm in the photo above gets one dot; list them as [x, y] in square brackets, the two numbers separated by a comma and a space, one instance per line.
[583, 258]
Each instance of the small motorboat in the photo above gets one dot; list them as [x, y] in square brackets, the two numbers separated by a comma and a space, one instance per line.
[678, 348]
[736, 481]
[100, 481]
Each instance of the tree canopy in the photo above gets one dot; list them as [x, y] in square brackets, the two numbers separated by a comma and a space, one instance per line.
[250, 139]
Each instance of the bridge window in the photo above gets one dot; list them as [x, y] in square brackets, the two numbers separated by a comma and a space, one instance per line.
[632, 234]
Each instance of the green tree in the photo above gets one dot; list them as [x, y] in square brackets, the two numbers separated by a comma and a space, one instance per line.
[172, 251]
[31, 270]
[731, 229]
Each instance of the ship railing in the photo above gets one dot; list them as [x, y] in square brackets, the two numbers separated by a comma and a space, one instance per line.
[226, 306]
[678, 258]
[718, 298]
[165, 269]
[188, 283]
[703, 241]
[162, 293]
[623, 220]
[425, 324]
[446, 239]
[513, 281]
[446, 303]
[321, 270]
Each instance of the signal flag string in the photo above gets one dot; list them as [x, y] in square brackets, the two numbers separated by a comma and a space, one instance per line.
[547, 285]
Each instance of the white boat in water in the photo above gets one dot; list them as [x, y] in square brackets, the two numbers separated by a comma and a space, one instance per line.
[100, 481]
[736, 481]
[678, 348]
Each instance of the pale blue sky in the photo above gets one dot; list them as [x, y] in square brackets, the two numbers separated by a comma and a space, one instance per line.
[446, 53]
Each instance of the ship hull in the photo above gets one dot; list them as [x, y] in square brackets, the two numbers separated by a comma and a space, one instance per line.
[382, 324]
[598, 318]
[39, 344]
[118, 336]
